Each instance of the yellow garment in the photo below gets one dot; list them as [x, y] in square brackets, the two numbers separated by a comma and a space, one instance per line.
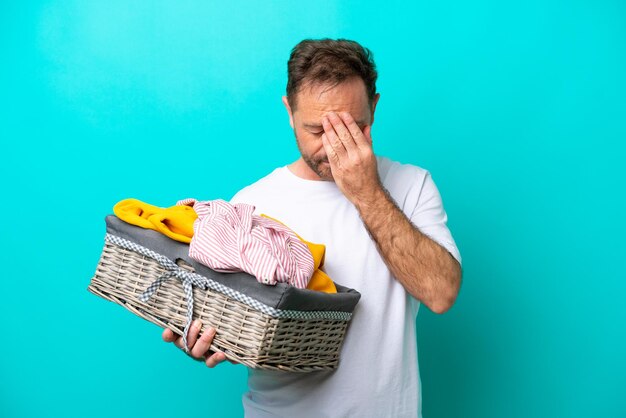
[320, 280]
[177, 221]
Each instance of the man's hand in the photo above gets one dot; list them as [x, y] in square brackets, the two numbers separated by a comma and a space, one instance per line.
[351, 157]
[425, 269]
[198, 347]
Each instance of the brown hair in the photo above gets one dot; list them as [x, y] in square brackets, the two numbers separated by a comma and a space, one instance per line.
[329, 61]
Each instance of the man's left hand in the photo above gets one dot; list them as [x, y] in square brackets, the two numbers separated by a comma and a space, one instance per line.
[351, 157]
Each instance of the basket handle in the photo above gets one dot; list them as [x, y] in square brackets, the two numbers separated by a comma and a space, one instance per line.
[188, 280]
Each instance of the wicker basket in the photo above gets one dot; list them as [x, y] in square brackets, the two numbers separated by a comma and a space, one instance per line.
[267, 327]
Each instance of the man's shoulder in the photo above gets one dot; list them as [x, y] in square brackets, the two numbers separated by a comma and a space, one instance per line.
[391, 171]
[265, 182]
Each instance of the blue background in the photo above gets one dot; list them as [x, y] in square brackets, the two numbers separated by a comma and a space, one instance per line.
[517, 109]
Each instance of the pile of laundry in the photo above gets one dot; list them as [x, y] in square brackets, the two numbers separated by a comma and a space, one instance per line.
[231, 238]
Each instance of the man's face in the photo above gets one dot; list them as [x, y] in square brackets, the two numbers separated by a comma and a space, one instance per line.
[313, 102]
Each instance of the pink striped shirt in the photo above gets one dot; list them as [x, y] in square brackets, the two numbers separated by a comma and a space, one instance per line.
[230, 238]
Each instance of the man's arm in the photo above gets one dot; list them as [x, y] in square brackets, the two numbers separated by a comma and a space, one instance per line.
[425, 269]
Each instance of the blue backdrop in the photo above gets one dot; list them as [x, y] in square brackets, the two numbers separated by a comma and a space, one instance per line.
[517, 109]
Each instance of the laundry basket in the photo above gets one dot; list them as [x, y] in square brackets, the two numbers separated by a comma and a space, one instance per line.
[277, 327]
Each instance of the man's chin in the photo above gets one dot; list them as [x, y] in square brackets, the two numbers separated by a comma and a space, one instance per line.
[326, 175]
[322, 169]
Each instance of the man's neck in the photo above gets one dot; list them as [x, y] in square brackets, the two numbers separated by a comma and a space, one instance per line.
[302, 170]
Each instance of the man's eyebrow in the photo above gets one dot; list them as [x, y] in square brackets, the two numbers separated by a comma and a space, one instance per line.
[319, 125]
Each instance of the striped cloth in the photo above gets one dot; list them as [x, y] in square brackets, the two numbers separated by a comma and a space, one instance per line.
[230, 238]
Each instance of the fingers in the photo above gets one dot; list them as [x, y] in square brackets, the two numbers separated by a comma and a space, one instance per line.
[178, 342]
[215, 359]
[168, 335]
[204, 343]
[192, 337]
[194, 330]
[367, 132]
[338, 134]
[199, 347]
[335, 150]
[333, 158]
[359, 137]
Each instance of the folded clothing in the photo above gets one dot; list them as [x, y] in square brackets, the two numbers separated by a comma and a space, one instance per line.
[230, 238]
[177, 222]
[320, 280]
[282, 296]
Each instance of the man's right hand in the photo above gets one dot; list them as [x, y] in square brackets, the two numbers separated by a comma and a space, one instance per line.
[198, 347]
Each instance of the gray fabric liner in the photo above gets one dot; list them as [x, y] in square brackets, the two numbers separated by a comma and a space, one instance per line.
[281, 296]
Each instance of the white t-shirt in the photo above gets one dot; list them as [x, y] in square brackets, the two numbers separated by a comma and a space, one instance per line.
[378, 371]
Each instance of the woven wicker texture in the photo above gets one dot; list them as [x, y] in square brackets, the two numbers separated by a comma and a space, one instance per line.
[245, 334]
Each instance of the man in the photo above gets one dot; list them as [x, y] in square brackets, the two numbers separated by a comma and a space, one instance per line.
[385, 232]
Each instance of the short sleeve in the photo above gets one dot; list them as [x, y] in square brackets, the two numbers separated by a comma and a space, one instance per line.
[236, 198]
[246, 196]
[431, 219]
[242, 196]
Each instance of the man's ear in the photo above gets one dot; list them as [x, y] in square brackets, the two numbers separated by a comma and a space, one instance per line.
[286, 103]
[374, 102]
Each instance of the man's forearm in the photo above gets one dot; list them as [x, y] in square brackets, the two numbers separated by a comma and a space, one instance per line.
[425, 269]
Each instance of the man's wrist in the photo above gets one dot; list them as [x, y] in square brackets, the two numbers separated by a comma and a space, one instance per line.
[372, 200]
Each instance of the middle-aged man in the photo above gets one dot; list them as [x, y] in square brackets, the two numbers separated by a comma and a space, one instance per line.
[385, 232]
